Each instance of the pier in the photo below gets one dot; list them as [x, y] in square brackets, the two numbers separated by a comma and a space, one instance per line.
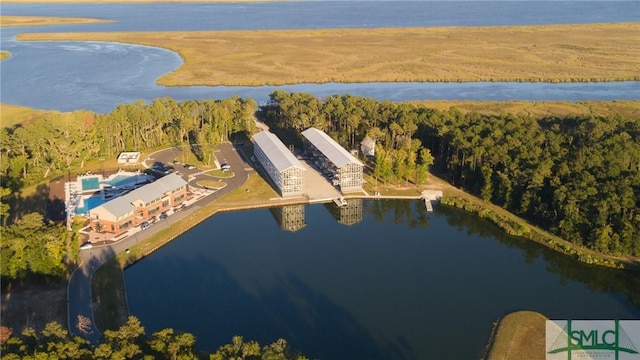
[429, 196]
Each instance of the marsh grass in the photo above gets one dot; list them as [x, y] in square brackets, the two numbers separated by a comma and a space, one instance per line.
[550, 53]
[13, 21]
[541, 109]
[518, 335]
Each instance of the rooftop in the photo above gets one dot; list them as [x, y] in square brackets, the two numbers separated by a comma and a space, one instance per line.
[275, 150]
[329, 147]
[124, 204]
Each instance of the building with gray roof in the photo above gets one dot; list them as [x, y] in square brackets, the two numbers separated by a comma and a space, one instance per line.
[281, 166]
[344, 169]
[139, 205]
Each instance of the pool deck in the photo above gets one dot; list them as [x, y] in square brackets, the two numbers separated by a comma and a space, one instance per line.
[75, 193]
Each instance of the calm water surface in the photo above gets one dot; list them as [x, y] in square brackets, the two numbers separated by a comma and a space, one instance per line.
[398, 283]
[99, 76]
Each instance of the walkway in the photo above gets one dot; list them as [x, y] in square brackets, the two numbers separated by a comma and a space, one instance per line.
[79, 297]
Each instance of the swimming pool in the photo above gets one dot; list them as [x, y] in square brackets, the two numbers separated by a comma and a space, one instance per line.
[121, 180]
[89, 203]
[91, 183]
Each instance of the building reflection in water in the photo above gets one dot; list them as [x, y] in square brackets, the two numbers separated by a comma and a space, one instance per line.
[289, 217]
[348, 214]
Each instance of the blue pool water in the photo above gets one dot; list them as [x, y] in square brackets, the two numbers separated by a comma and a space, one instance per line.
[121, 180]
[90, 184]
[90, 203]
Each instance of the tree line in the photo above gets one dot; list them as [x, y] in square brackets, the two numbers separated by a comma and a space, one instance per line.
[130, 342]
[49, 146]
[576, 176]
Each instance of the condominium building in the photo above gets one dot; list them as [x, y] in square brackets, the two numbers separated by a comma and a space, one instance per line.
[139, 205]
[281, 166]
[344, 170]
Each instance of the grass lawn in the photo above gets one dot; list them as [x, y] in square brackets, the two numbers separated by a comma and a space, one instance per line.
[519, 335]
[555, 53]
[219, 173]
[110, 296]
[212, 184]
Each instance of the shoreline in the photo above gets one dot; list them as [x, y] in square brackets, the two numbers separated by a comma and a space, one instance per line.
[536, 235]
[517, 334]
[526, 53]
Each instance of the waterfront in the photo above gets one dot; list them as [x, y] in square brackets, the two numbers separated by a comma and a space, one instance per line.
[400, 283]
[98, 76]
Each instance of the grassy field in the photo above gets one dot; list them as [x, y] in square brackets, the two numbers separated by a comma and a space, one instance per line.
[12, 21]
[553, 53]
[519, 335]
[540, 109]
[11, 115]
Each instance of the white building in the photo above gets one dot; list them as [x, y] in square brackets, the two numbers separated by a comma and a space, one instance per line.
[344, 170]
[284, 170]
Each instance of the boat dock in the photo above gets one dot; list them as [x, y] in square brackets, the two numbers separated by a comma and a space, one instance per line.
[429, 196]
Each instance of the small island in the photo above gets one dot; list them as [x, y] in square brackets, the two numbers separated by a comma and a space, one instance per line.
[547, 53]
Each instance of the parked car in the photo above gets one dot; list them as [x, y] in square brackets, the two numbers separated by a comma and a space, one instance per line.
[189, 166]
[163, 216]
[225, 167]
[145, 225]
[86, 246]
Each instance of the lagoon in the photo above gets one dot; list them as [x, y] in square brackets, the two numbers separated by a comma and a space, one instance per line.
[396, 283]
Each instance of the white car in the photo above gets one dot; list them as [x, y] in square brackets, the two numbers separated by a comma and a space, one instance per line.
[86, 246]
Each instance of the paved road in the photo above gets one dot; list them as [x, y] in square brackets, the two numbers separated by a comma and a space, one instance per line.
[79, 298]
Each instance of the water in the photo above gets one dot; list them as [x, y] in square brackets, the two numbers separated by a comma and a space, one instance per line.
[125, 180]
[98, 76]
[90, 203]
[330, 14]
[400, 283]
[92, 183]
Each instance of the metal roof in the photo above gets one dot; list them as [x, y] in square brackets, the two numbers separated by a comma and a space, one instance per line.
[156, 189]
[275, 150]
[123, 205]
[117, 207]
[329, 147]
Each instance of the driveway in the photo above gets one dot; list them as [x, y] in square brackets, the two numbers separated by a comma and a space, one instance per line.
[79, 297]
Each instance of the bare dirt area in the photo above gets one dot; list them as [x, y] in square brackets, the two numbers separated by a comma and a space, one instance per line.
[33, 306]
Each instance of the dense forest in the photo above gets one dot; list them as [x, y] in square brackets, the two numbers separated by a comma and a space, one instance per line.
[130, 342]
[576, 176]
[43, 148]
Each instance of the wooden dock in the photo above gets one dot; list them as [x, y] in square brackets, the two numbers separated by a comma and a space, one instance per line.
[428, 205]
[429, 196]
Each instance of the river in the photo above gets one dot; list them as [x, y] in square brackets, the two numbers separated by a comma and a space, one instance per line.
[390, 281]
[98, 76]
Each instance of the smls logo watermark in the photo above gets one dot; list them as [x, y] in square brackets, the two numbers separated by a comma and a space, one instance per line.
[592, 339]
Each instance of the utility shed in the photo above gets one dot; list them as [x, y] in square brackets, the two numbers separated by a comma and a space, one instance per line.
[284, 170]
[342, 168]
